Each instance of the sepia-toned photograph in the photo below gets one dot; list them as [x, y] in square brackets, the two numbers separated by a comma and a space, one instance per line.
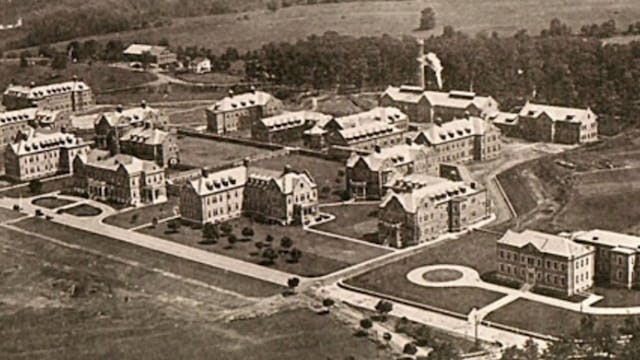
[320, 179]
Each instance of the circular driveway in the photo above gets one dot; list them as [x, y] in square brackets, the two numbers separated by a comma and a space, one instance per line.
[466, 277]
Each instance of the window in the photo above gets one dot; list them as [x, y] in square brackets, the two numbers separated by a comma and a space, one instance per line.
[501, 254]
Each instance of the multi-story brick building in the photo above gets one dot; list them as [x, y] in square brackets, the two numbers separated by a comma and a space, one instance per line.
[22, 121]
[120, 179]
[462, 140]
[436, 106]
[557, 124]
[214, 197]
[617, 256]
[287, 127]
[419, 208]
[111, 125]
[70, 96]
[158, 55]
[381, 126]
[282, 197]
[240, 112]
[151, 144]
[368, 175]
[35, 155]
[546, 261]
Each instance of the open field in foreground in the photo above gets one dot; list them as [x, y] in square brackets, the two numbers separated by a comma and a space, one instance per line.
[204, 152]
[395, 18]
[476, 250]
[182, 267]
[327, 173]
[144, 215]
[320, 254]
[59, 303]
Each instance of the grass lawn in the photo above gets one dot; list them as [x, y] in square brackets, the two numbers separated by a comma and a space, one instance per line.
[98, 76]
[212, 77]
[162, 93]
[357, 221]
[182, 267]
[369, 18]
[47, 187]
[188, 117]
[83, 210]
[411, 328]
[6, 214]
[515, 187]
[320, 255]
[617, 297]
[133, 217]
[52, 202]
[325, 172]
[547, 319]
[476, 250]
[204, 152]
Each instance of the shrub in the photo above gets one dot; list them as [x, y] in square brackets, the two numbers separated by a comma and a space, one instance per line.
[247, 231]
[410, 349]
[328, 302]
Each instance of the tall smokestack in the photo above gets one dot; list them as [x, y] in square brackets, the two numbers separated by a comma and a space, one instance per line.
[421, 78]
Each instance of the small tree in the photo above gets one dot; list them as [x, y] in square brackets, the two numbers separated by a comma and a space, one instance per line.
[247, 232]
[286, 242]
[387, 338]
[259, 245]
[328, 302]
[134, 218]
[154, 222]
[269, 255]
[293, 282]
[427, 19]
[232, 239]
[226, 229]
[383, 308]
[294, 255]
[410, 349]
[210, 231]
[273, 5]
[35, 186]
[366, 324]
[269, 238]
[423, 336]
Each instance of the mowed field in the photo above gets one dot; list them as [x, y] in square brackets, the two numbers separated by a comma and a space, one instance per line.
[59, 303]
[476, 249]
[204, 152]
[356, 221]
[395, 18]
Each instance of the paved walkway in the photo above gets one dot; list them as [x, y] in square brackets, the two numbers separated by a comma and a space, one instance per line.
[94, 225]
[471, 278]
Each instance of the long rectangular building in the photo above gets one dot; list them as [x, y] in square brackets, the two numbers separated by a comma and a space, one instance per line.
[557, 124]
[70, 96]
[239, 112]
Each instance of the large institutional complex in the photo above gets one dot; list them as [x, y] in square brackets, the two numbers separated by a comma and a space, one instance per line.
[287, 127]
[240, 112]
[70, 96]
[110, 126]
[36, 155]
[283, 197]
[419, 207]
[462, 140]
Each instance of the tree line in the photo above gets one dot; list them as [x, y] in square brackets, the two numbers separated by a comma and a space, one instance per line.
[555, 67]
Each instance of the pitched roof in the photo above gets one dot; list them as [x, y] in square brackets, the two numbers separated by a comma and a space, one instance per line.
[405, 93]
[293, 119]
[545, 243]
[15, 116]
[38, 92]
[609, 238]
[38, 141]
[149, 136]
[455, 130]
[130, 164]
[558, 113]
[367, 131]
[241, 101]
[218, 181]
[452, 99]
[285, 180]
[139, 49]
[417, 188]
[504, 118]
[399, 154]
[131, 116]
[388, 115]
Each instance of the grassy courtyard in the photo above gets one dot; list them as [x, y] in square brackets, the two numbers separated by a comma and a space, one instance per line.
[83, 210]
[517, 190]
[356, 221]
[320, 254]
[133, 217]
[328, 174]
[204, 152]
[52, 202]
[476, 250]
[154, 259]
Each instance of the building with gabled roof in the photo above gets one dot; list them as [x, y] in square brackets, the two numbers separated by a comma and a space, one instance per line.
[368, 175]
[421, 207]
[437, 106]
[557, 124]
[239, 112]
[287, 127]
[35, 155]
[120, 179]
[159, 55]
[617, 256]
[22, 121]
[546, 261]
[462, 140]
[200, 65]
[149, 143]
[111, 125]
[69, 96]
[282, 197]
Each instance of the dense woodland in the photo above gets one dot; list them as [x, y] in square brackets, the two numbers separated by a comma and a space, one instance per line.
[554, 67]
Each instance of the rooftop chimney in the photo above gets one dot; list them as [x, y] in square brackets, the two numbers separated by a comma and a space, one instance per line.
[75, 78]
[377, 149]
[119, 108]
[32, 84]
[288, 169]
[246, 161]
[253, 89]
[231, 93]
[143, 104]
[409, 141]
[204, 172]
